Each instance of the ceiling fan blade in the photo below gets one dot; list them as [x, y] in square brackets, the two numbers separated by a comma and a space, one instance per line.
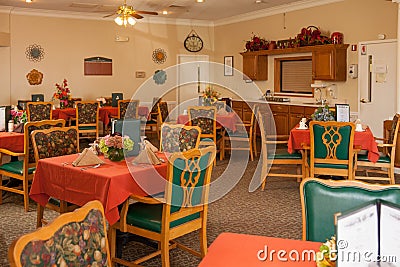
[136, 16]
[146, 12]
[109, 15]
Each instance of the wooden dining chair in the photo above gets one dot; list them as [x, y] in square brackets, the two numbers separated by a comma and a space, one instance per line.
[275, 157]
[182, 210]
[87, 119]
[50, 143]
[385, 163]
[206, 118]
[321, 199]
[179, 138]
[153, 120]
[37, 111]
[24, 168]
[128, 109]
[331, 149]
[77, 238]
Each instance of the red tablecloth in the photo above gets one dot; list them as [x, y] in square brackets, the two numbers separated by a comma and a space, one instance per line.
[111, 183]
[230, 249]
[105, 113]
[12, 141]
[364, 139]
[228, 121]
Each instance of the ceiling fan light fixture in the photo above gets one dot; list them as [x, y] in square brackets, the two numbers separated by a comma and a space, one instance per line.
[119, 21]
[165, 12]
[131, 21]
[200, 1]
[28, 1]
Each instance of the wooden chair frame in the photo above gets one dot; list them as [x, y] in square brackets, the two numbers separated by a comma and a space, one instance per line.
[45, 233]
[350, 171]
[167, 235]
[271, 163]
[62, 206]
[181, 126]
[389, 149]
[336, 184]
[79, 125]
[129, 101]
[25, 177]
[28, 110]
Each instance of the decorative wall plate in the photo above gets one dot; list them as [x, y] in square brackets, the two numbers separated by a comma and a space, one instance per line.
[160, 77]
[159, 56]
[34, 77]
[34, 53]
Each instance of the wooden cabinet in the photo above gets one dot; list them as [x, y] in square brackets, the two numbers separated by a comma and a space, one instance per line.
[281, 117]
[242, 109]
[329, 63]
[296, 113]
[255, 66]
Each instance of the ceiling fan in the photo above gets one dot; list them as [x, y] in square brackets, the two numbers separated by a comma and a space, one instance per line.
[127, 15]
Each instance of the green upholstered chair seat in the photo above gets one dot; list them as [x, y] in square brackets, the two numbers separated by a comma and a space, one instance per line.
[382, 159]
[328, 165]
[284, 155]
[148, 216]
[16, 167]
[323, 201]
[87, 128]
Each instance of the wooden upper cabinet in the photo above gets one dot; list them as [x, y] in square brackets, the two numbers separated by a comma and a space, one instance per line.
[329, 63]
[255, 66]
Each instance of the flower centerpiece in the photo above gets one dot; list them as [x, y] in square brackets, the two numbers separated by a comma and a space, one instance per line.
[113, 146]
[18, 116]
[210, 96]
[62, 93]
[323, 114]
[256, 43]
[327, 254]
[311, 36]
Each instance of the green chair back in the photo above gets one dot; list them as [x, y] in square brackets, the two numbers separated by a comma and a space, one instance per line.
[331, 141]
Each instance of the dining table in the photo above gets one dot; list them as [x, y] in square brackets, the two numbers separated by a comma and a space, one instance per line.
[111, 183]
[363, 139]
[234, 249]
[228, 121]
[12, 141]
[105, 113]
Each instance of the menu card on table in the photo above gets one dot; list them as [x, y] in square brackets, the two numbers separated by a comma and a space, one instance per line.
[369, 236]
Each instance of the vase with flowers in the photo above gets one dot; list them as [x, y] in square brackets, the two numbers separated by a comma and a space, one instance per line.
[210, 96]
[327, 254]
[62, 93]
[323, 114]
[18, 116]
[114, 145]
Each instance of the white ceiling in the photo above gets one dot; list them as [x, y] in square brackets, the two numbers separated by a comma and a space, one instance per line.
[210, 10]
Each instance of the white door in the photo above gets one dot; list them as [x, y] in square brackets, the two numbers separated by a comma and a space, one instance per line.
[192, 79]
[377, 61]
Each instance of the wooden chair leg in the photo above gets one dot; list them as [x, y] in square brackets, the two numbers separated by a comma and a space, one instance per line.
[112, 240]
[40, 211]
[203, 242]
[26, 194]
[165, 252]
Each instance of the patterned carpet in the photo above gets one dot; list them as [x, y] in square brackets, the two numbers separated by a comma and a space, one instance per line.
[274, 212]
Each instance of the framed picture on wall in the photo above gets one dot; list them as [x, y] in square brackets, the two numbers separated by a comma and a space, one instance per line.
[228, 66]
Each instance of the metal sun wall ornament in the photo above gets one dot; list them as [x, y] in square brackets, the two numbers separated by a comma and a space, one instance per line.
[159, 56]
[34, 53]
[160, 77]
[34, 77]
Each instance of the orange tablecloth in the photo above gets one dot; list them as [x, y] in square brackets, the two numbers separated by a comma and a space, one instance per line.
[104, 113]
[111, 183]
[12, 141]
[364, 139]
[230, 249]
[228, 121]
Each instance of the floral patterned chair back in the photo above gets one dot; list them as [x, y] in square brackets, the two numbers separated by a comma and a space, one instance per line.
[38, 111]
[55, 142]
[163, 111]
[205, 117]
[179, 138]
[128, 109]
[78, 238]
[71, 102]
[87, 118]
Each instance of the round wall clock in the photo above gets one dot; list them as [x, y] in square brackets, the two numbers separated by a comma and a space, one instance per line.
[34, 53]
[193, 42]
[159, 56]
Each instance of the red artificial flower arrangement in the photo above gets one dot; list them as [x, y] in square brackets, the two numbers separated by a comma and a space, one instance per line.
[62, 92]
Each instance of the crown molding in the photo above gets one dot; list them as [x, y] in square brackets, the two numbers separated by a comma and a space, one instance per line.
[98, 16]
[275, 10]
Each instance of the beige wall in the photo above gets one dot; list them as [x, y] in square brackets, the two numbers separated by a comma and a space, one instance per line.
[67, 42]
[358, 20]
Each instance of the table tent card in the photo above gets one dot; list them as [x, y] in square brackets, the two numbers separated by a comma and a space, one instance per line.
[87, 157]
[369, 236]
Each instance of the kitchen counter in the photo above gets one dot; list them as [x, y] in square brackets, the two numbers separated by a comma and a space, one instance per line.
[305, 103]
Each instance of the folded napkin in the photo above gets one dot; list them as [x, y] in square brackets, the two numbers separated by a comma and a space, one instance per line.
[87, 157]
[147, 155]
[150, 145]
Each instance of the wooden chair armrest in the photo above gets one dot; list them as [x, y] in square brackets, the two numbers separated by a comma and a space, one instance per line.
[385, 145]
[270, 142]
[10, 153]
[381, 139]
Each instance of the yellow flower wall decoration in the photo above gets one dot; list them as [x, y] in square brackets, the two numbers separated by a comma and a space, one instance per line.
[34, 77]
